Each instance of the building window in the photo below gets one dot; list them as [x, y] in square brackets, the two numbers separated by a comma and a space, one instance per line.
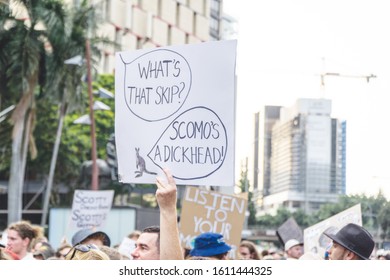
[118, 38]
[106, 62]
[296, 204]
[215, 7]
[214, 25]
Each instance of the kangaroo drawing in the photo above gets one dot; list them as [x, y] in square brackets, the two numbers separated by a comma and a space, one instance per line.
[141, 165]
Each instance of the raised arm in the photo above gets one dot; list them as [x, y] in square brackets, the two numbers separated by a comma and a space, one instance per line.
[166, 194]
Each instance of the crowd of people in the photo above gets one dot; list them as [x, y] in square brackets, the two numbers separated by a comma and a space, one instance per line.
[28, 242]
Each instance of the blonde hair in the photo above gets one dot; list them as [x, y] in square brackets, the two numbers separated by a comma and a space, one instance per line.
[91, 254]
[135, 234]
[112, 253]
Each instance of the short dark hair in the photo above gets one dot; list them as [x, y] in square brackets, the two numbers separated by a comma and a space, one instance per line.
[220, 256]
[154, 229]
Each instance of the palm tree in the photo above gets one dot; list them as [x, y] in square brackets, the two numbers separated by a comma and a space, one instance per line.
[30, 57]
[22, 58]
[66, 80]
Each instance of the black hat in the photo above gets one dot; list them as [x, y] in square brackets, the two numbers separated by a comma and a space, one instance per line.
[83, 234]
[355, 239]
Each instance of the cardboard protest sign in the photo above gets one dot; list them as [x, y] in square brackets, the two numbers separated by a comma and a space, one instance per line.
[90, 208]
[289, 230]
[175, 108]
[210, 211]
[314, 239]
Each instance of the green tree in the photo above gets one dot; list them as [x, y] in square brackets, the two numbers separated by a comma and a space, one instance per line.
[384, 221]
[22, 67]
[274, 221]
[282, 215]
[245, 188]
[66, 80]
[302, 219]
[371, 207]
[75, 145]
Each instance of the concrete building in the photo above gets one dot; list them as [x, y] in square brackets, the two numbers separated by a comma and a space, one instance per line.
[299, 156]
[141, 24]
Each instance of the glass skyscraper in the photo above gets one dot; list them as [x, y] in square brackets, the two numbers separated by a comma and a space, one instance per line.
[299, 156]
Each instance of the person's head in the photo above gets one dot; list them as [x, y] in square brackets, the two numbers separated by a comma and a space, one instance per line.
[86, 252]
[37, 243]
[275, 254]
[148, 244]
[293, 249]
[248, 251]
[112, 253]
[351, 242]
[264, 253]
[63, 250]
[44, 252]
[134, 235]
[211, 245]
[90, 236]
[19, 237]
[382, 254]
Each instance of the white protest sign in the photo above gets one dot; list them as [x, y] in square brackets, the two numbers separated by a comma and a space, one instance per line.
[314, 239]
[175, 108]
[210, 211]
[90, 208]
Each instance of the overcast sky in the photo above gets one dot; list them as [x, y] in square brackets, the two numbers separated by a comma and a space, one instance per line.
[284, 45]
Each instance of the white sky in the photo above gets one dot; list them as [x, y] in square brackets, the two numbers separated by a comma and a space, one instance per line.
[281, 44]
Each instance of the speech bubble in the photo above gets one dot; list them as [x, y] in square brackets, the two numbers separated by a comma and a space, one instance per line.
[157, 84]
[194, 144]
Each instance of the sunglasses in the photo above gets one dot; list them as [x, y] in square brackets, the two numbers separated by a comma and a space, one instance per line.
[82, 248]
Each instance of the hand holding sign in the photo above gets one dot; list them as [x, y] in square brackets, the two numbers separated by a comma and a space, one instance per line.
[175, 108]
[166, 192]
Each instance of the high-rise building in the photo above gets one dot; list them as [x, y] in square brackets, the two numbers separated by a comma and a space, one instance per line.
[299, 156]
[140, 24]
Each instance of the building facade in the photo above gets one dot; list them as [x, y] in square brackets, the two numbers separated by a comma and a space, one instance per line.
[141, 24]
[299, 156]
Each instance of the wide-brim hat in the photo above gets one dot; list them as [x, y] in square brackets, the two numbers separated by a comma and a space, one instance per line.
[83, 234]
[355, 239]
[209, 244]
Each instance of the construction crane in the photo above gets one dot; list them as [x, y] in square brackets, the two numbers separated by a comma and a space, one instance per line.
[323, 75]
